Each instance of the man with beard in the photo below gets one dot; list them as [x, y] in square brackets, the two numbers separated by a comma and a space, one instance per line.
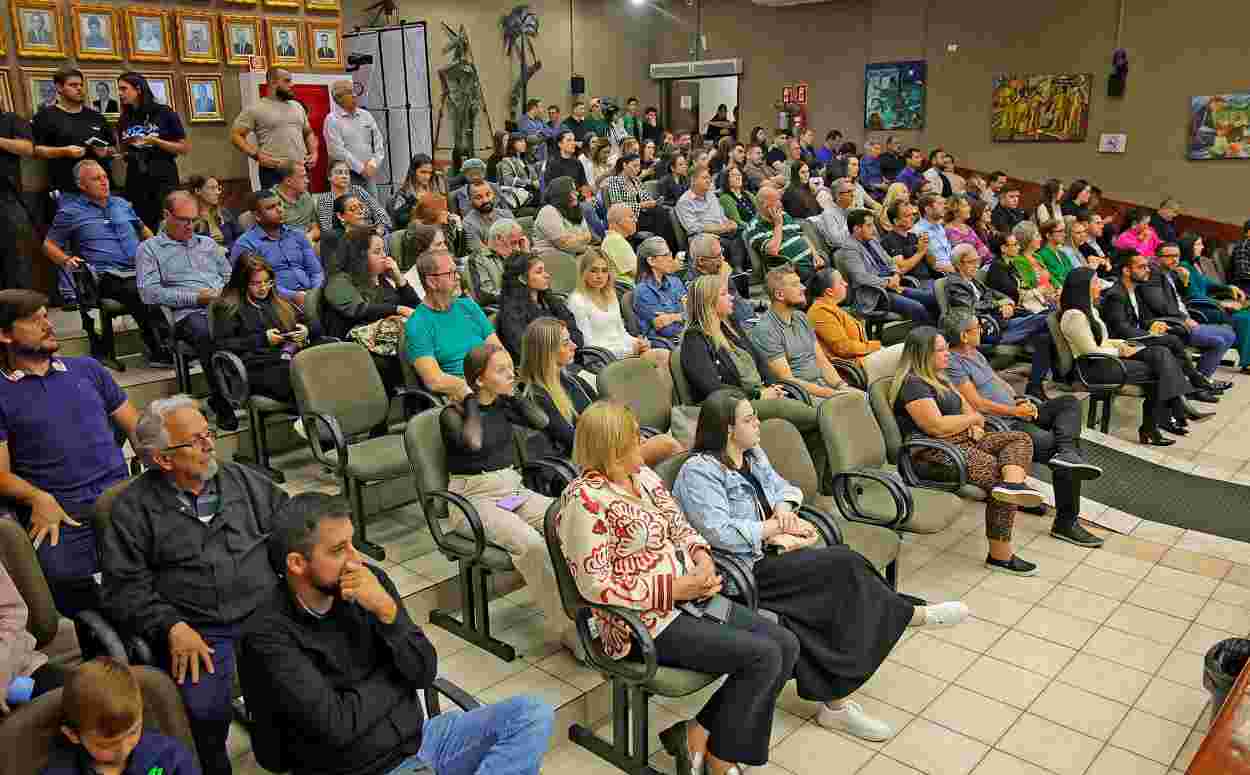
[58, 448]
[63, 130]
[280, 125]
[485, 213]
[333, 664]
[185, 563]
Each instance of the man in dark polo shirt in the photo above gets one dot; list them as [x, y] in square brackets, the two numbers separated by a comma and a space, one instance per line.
[69, 131]
[58, 451]
[16, 236]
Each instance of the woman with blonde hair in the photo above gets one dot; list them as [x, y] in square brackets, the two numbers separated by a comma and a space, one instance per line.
[1030, 271]
[547, 351]
[897, 192]
[926, 404]
[602, 161]
[597, 311]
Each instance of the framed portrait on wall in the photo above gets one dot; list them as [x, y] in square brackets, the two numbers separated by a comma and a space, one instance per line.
[97, 32]
[242, 2]
[283, 3]
[162, 86]
[148, 33]
[323, 5]
[286, 42]
[325, 45]
[204, 99]
[99, 91]
[241, 39]
[197, 37]
[6, 94]
[4, 46]
[37, 28]
[40, 88]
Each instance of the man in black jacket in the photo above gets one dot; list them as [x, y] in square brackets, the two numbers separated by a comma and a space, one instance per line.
[963, 289]
[332, 665]
[1162, 297]
[184, 562]
[1008, 213]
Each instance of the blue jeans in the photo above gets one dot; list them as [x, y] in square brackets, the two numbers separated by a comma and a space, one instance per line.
[208, 701]
[920, 306]
[1213, 341]
[1022, 328]
[507, 738]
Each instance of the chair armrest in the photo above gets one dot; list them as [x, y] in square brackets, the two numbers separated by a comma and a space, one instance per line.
[545, 473]
[996, 424]
[852, 372]
[141, 651]
[794, 390]
[740, 573]
[825, 523]
[593, 359]
[1031, 399]
[459, 697]
[313, 421]
[231, 376]
[908, 469]
[846, 496]
[416, 400]
[102, 633]
[629, 671]
[471, 516]
[1085, 361]
[909, 281]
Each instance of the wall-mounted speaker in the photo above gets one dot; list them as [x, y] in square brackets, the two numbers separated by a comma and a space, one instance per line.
[577, 85]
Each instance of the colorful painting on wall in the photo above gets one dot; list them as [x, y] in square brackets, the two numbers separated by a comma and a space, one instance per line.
[1219, 126]
[894, 95]
[1041, 108]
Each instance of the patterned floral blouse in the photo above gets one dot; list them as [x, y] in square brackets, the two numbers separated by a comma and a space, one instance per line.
[626, 551]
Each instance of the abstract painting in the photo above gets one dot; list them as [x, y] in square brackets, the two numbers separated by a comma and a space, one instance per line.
[894, 95]
[1041, 108]
[1219, 126]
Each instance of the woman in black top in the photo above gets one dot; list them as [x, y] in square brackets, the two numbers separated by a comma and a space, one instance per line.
[152, 138]
[1076, 199]
[481, 466]
[565, 162]
[498, 151]
[526, 296]
[258, 325]
[1002, 275]
[677, 181]
[799, 200]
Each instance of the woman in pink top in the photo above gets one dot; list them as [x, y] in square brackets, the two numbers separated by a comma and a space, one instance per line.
[959, 227]
[1140, 236]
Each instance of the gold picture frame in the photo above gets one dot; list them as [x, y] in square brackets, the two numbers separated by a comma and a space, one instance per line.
[38, 29]
[294, 4]
[39, 87]
[99, 91]
[239, 52]
[162, 86]
[147, 33]
[323, 5]
[7, 105]
[242, 2]
[97, 32]
[319, 33]
[285, 35]
[204, 98]
[197, 37]
[4, 46]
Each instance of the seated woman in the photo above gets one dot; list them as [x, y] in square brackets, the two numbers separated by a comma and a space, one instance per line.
[349, 213]
[1085, 333]
[514, 170]
[526, 296]
[422, 178]
[860, 199]
[648, 157]
[431, 210]
[259, 326]
[676, 181]
[481, 465]
[959, 227]
[367, 289]
[1138, 235]
[1202, 286]
[982, 222]
[1058, 256]
[547, 354]
[659, 295]
[597, 312]
[1032, 273]
[215, 221]
[627, 542]
[736, 201]
[560, 224]
[799, 200]
[897, 192]
[340, 185]
[925, 403]
[840, 333]
[846, 617]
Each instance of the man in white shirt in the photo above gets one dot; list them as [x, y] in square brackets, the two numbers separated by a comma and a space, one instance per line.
[353, 135]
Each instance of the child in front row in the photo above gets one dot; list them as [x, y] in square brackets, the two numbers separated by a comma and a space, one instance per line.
[102, 723]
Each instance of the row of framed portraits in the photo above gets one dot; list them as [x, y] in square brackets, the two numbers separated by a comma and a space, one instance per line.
[202, 92]
[143, 34]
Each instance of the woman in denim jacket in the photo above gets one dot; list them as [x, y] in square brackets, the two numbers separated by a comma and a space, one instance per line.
[846, 617]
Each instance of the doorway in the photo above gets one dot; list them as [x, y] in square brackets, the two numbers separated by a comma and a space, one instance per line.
[691, 103]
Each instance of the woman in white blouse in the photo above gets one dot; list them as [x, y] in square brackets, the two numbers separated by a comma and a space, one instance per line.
[598, 312]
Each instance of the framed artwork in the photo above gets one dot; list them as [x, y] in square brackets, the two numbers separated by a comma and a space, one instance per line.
[148, 33]
[37, 27]
[6, 94]
[162, 85]
[4, 46]
[40, 89]
[197, 37]
[204, 99]
[99, 91]
[286, 42]
[323, 5]
[283, 3]
[1041, 108]
[1219, 126]
[325, 45]
[894, 95]
[241, 38]
[97, 32]
[242, 2]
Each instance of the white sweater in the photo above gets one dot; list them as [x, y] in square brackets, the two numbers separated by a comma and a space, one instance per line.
[601, 327]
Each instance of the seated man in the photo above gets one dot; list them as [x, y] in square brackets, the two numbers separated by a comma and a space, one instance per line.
[299, 208]
[472, 171]
[1162, 299]
[779, 239]
[832, 223]
[841, 334]
[444, 328]
[932, 224]
[787, 342]
[486, 211]
[1055, 426]
[99, 233]
[622, 224]
[296, 267]
[185, 272]
[58, 445]
[864, 263]
[486, 266]
[185, 562]
[338, 664]
[700, 212]
[1007, 213]
[964, 290]
[706, 257]
[910, 250]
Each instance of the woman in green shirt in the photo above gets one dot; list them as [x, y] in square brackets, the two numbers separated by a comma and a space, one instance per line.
[1200, 288]
[736, 201]
[1032, 272]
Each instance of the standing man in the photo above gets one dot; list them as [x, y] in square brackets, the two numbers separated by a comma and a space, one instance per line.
[532, 126]
[69, 131]
[633, 121]
[17, 247]
[281, 127]
[353, 135]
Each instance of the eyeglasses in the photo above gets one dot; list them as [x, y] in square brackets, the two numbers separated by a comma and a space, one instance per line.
[203, 440]
[433, 275]
[261, 284]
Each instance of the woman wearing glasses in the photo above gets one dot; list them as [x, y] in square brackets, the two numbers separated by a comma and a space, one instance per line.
[341, 185]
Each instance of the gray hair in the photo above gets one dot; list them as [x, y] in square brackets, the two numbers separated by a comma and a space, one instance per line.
[961, 250]
[1024, 232]
[83, 165]
[150, 432]
[618, 212]
[955, 322]
[502, 228]
[701, 245]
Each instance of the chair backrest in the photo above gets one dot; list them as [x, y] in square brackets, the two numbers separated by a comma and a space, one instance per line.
[681, 385]
[879, 399]
[423, 440]
[939, 290]
[17, 555]
[411, 377]
[758, 270]
[652, 187]
[628, 316]
[102, 511]
[852, 437]
[27, 736]
[570, 596]
[636, 383]
[341, 380]
[1064, 360]
[312, 305]
[668, 468]
[563, 270]
[788, 453]
[679, 231]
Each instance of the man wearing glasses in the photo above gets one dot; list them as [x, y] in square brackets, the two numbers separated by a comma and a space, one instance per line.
[486, 266]
[185, 561]
[183, 273]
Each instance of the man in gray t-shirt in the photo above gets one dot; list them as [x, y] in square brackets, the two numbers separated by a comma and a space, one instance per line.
[281, 126]
[786, 340]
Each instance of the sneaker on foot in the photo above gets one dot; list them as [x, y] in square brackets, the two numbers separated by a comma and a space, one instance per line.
[851, 719]
[1073, 533]
[1015, 565]
[1016, 494]
[1076, 463]
[945, 614]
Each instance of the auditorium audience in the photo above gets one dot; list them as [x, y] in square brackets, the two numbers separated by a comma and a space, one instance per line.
[1199, 288]
[961, 226]
[561, 225]
[215, 221]
[1138, 235]
[1056, 254]
[287, 250]
[659, 295]
[964, 290]
[865, 263]
[841, 334]
[1162, 297]
[597, 312]
[421, 178]
[786, 341]
[341, 185]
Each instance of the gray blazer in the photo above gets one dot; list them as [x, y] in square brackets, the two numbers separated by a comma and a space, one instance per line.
[853, 261]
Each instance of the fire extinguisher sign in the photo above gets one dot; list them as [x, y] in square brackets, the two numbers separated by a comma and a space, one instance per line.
[800, 94]
[787, 95]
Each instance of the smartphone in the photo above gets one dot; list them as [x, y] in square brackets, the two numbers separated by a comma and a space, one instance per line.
[511, 502]
[97, 142]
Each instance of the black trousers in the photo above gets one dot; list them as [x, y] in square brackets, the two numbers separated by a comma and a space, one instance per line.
[194, 330]
[125, 291]
[272, 379]
[758, 655]
[657, 221]
[17, 243]
[1057, 429]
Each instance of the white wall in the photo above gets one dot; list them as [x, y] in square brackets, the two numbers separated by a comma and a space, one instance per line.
[713, 92]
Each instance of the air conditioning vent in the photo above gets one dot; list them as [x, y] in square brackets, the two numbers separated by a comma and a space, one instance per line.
[671, 70]
[781, 3]
[707, 67]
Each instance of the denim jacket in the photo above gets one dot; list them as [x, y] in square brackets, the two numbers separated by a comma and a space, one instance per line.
[720, 503]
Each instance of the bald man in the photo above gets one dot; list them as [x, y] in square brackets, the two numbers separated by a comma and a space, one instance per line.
[280, 125]
[353, 136]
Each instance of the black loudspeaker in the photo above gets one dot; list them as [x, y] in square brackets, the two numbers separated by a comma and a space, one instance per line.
[577, 85]
[1116, 84]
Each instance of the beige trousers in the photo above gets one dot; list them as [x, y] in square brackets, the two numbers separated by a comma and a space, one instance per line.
[883, 362]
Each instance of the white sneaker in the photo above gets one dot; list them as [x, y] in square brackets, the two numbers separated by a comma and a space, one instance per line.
[850, 718]
[945, 614]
